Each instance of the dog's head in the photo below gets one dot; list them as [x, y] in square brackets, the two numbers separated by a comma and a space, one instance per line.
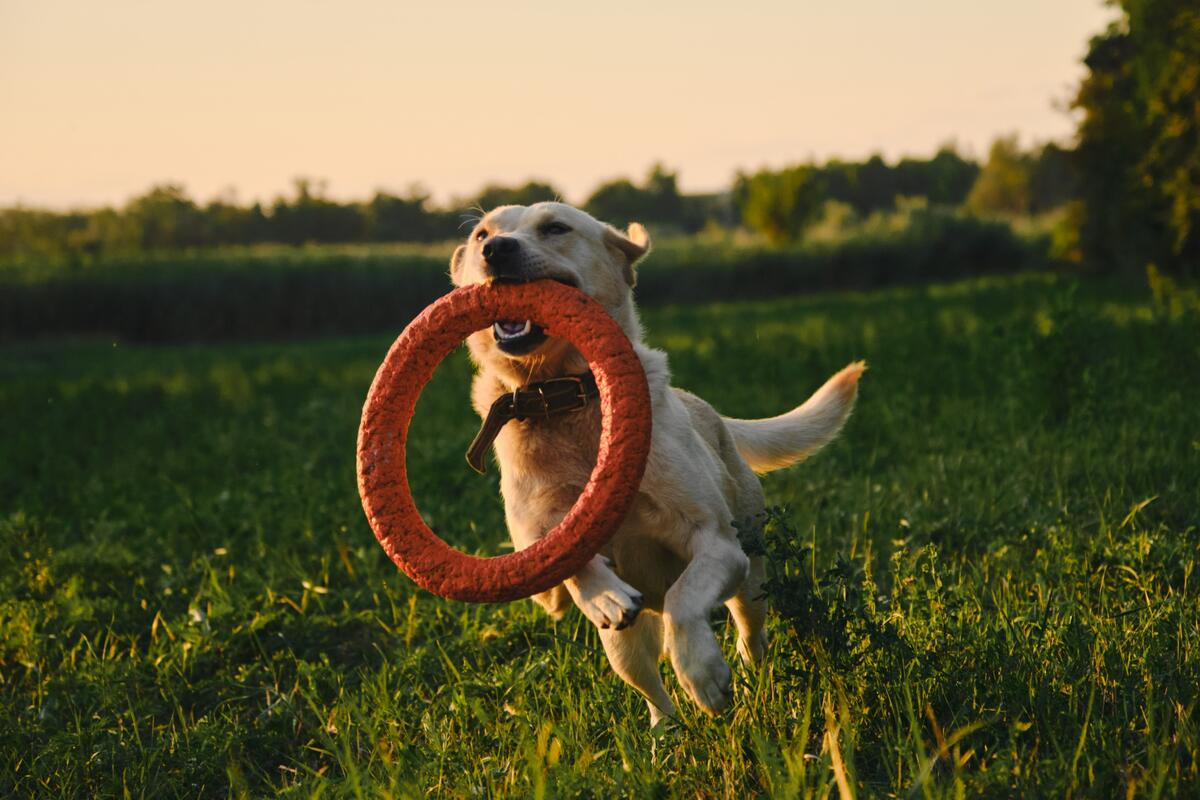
[547, 241]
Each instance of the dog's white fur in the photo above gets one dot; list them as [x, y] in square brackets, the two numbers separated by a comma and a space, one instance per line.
[677, 554]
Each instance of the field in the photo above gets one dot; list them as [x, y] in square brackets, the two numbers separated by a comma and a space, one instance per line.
[986, 586]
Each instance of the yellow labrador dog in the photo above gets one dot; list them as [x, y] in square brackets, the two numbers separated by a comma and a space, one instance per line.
[677, 554]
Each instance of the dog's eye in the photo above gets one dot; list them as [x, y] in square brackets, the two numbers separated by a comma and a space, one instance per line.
[554, 229]
[481, 234]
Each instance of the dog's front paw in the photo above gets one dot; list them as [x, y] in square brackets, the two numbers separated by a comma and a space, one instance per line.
[612, 607]
[700, 667]
[603, 597]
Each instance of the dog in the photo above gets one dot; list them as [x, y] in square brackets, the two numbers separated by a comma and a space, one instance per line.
[677, 555]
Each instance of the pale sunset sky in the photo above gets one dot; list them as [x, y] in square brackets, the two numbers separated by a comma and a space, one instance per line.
[99, 100]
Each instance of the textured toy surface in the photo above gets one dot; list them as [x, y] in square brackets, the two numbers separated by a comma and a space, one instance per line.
[624, 441]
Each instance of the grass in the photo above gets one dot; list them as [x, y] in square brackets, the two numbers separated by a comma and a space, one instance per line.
[985, 587]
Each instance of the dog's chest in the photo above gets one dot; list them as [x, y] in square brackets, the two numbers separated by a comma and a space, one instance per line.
[560, 450]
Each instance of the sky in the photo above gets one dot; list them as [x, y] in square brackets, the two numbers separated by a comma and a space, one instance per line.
[100, 100]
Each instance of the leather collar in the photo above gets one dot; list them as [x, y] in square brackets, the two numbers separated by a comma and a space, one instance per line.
[538, 400]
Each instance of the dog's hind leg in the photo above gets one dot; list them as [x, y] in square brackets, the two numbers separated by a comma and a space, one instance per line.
[749, 611]
[555, 601]
[634, 653]
[525, 530]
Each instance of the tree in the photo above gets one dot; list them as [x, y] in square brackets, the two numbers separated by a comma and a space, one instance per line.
[875, 188]
[657, 200]
[1003, 185]
[392, 218]
[313, 217]
[1139, 139]
[1054, 180]
[226, 222]
[945, 179]
[872, 185]
[165, 218]
[779, 205]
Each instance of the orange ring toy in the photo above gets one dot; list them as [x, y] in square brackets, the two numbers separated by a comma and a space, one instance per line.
[624, 441]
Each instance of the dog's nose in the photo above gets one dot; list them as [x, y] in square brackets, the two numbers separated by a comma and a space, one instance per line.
[500, 253]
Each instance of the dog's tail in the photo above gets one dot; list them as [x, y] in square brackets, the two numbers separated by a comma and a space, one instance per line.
[769, 444]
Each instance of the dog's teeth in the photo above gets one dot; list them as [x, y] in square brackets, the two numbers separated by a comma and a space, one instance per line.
[508, 330]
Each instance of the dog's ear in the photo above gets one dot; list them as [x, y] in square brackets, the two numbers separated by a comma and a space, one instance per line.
[633, 245]
[456, 261]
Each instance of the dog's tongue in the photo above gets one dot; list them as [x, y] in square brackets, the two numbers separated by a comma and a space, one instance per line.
[511, 327]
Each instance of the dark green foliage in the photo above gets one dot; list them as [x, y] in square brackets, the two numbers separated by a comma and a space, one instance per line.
[944, 179]
[933, 244]
[313, 217]
[657, 202]
[833, 619]
[271, 294]
[1053, 180]
[981, 590]
[165, 219]
[872, 185]
[778, 204]
[781, 204]
[1014, 182]
[286, 293]
[1003, 184]
[392, 218]
[1139, 140]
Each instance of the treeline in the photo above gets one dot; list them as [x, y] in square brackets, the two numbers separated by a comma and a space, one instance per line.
[783, 204]
[778, 204]
[165, 218]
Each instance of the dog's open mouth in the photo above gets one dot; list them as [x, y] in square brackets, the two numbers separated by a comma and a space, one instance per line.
[517, 337]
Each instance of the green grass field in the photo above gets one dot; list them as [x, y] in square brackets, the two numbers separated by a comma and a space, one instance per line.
[985, 587]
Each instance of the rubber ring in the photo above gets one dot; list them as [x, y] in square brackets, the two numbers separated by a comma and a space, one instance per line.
[564, 312]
